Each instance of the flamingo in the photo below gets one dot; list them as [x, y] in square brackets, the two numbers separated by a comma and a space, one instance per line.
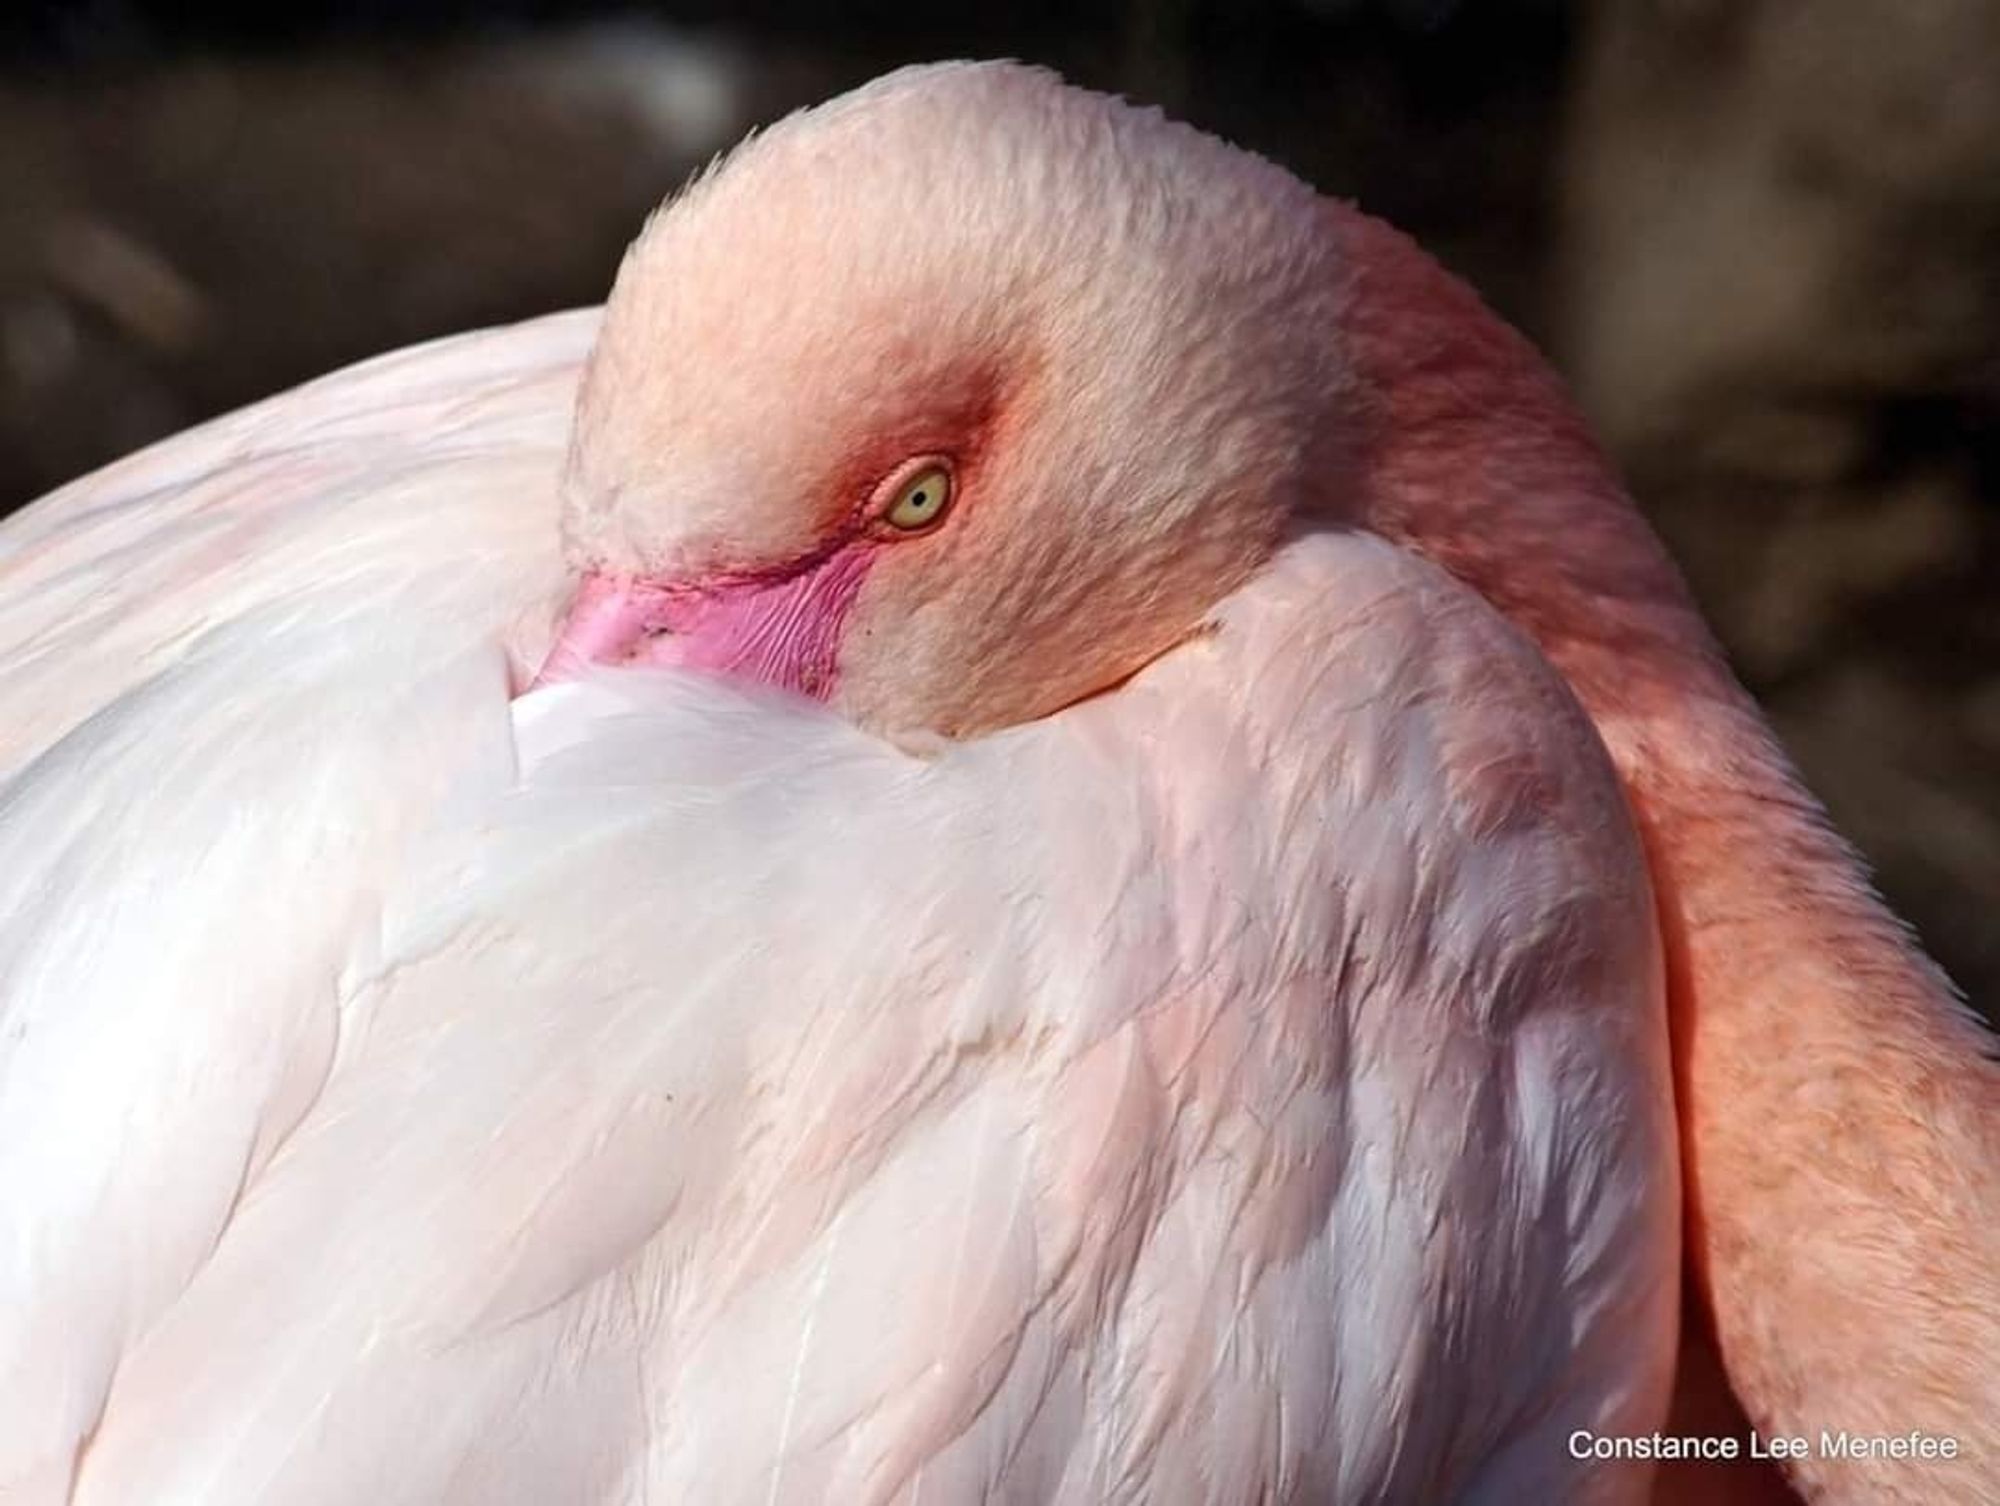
[1065, 844]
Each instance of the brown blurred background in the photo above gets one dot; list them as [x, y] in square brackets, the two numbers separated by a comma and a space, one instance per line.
[1762, 237]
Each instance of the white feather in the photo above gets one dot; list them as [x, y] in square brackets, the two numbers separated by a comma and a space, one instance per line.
[1249, 1085]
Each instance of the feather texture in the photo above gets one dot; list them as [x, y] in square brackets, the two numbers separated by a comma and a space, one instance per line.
[236, 671]
[1250, 1085]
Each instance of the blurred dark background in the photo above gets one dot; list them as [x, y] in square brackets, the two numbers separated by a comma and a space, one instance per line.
[1762, 237]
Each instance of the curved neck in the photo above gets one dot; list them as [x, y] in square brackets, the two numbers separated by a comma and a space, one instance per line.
[1840, 1118]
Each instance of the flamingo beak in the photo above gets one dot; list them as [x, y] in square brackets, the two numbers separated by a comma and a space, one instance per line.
[610, 621]
[782, 630]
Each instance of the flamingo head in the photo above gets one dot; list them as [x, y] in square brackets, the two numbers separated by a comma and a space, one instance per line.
[950, 403]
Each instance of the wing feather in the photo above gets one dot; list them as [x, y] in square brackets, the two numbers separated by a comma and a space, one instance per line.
[1250, 1085]
[236, 673]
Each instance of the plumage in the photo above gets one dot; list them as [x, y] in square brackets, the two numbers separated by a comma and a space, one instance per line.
[206, 771]
[1175, 1012]
[834, 992]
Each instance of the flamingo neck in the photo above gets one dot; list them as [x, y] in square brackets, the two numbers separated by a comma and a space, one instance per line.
[1840, 1135]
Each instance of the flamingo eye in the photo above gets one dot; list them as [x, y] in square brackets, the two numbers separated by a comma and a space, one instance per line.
[920, 501]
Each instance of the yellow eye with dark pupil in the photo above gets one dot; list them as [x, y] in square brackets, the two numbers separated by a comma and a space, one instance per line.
[921, 500]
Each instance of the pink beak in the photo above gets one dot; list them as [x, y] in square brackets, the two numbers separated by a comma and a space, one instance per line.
[782, 631]
[611, 621]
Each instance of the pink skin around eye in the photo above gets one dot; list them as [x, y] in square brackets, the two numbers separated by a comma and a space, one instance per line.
[775, 629]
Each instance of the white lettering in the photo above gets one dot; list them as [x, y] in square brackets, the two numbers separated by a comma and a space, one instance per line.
[1584, 1444]
[1778, 1447]
[1915, 1444]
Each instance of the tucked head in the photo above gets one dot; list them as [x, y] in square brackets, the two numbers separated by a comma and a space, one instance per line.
[951, 402]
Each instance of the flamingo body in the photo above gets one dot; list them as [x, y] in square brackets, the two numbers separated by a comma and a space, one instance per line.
[658, 1087]
[558, 941]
